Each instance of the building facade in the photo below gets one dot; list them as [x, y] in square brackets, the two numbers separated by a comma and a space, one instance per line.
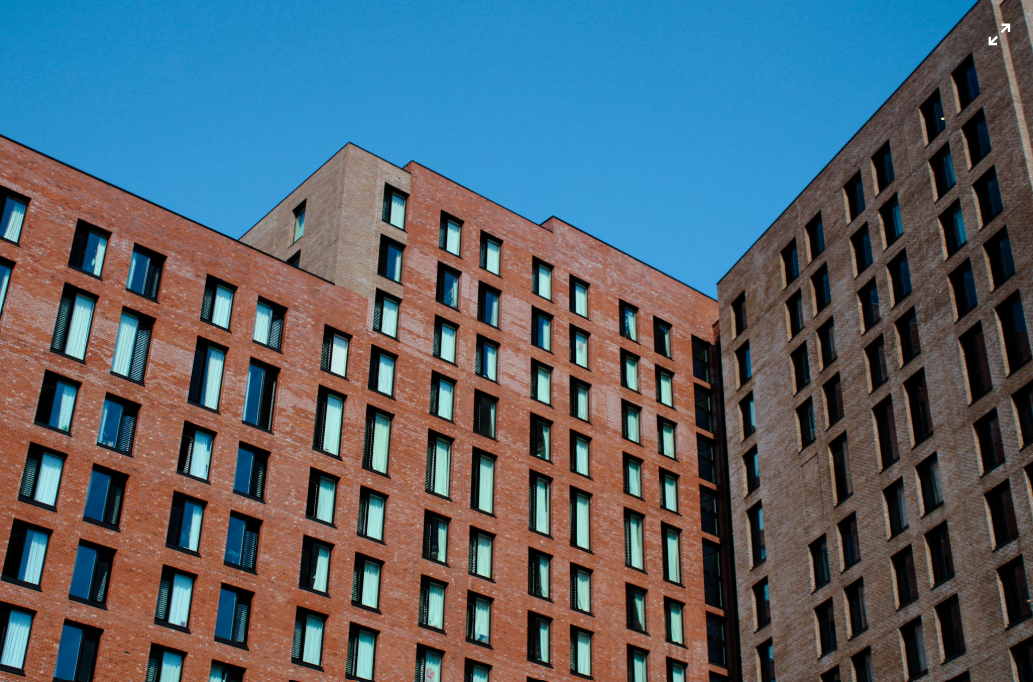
[394, 432]
[876, 355]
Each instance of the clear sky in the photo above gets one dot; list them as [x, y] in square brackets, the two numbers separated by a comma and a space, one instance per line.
[676, 131]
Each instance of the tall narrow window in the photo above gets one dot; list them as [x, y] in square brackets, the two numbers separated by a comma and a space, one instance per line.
[638, 665]
[869, 297]
[488, 303]
[717, 652]
[217, 303]
[145, 272]
[541, 282]
[739, 313]
[372, 507]
[483, 482]
[104, 497]
[822, 288]
[973, 348]
[705, 459]
[445, 334]
[896, 507]
[942, 164]
[991, 445]
[16, 626]
[801, 367]
[914, 649]
[481, 551]
[578, 297]
[635, 598]
[77, 655]
[918, 402]
[385, 314]
[1002, 514]
[704, 408]
[41, 477]
[57, 402]
[757, 544]
[816, 236]
[664, 387]
[439, 465]
[841, 469]
[322, 497]
[988, 192]
[580, 652]
[712, 588]
[827, 339]
[762, 602]
[940, 555]
[743, 360]
[883, 162]
[751, 464]
[629, 370]
[932, 113]
[233, 616]
[790, 262]
[826, 617]
[541, 330]
[708, 511]
[886, 430]
[541, 382]
[963, 284]
[382, 371]
[580, 519]
[89, 245]
[377, 447]
[1016, 590]
[820, 562]
[487, 361]
[580, 448]
[242, 541]
[448, 286]
[26, 553]
[579, 347]
[907, 332]
[900, 276]
[366, 582]
[175, 594]
[491, 253]
[540, 504]
[13, 217]
[269, 324]
[299, 221]
[669, 491]
[74, 320]
[538, 571]
[260, 395]
[541, 438]
[850, 541]
[794, 309]
[977, 136]
[805, 419]
[307, 647]
[432, 604]
[538, 638]
[629, 321]
[315, 565]
[906, 581]
[878, 372]
[833, 390]
[953, 223]
[484, 414]
[701, 360]
[329, 419]
[428, 663]
[862, 662]
[580, 589]
[206, 376]
[394, 206]
[854, 190]
[892, 224]
[132, 345]
[634, 553]
[631, 422]
[118, 424]
[662, 337]
[334, 358]
[1015, 332]
[450, 234]
[249, 476]
[442, 396]
[966, 81]
[862, 243]
[749, 416]
[6, 267]
[435, 538]
[856, 607]
[998, 252]
[932, 486]
[478, 619]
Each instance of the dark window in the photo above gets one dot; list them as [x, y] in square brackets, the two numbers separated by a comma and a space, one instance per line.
[932, 486]
[794, 307]
[295, 260]
[541, 329]
[712, 575]
[227, 673]
[892, 224]
[820, 562]
[886, 428]
[447, 292]
[790, 262]
[914, 649]
[299, 221]
[751, 464]
[833, 389]
[841, 469]
[484, 414]
[991, 445]
[716, 648]
[1002, 514]
[988, 191]
[756, 518]
[749, 418]
[1016, 592]
[869, 297]
[242, 541]
[104, 497]
[315, 565]
[973, 347]
[662, 338]
[856, 607]
[57, 398]
[762, 599]
[1016, 336]
[883, 162]
[488, 301]
[708, 511]
[77, 653]
[260, 396]
[206, 374]
[831, 675]
[766, 657]
[978, 137]
[932, 112]
[92, 573]
[704, 409]
[963, 284]
[74, 320]
[966, 82]
[876, 354]
[249, 476]
[918, 401]
[862, 662]
[269, 324]
[705, 459]
[900, 276]
[940, 555]
[896, 507]
[541, 438]
[822, 288]
[231, 621]
[826, 627]
[907, 332]
[1024, 406]
[805, 417]
[998, 251]
[739, 313]
[26, 554]
[827, 339]
[942, 164]
[701, 359]
[816, 236]
[854, 189]
[801, 367]
[850, 540]
[118, 424]
[145, 272]
[89, 245]
[904, 570]
[953, 223]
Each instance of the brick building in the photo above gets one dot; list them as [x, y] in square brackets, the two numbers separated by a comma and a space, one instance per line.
[395, 432]
[876, 355]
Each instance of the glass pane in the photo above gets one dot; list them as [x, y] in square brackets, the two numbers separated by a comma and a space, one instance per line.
[82, 575]
[109, 421]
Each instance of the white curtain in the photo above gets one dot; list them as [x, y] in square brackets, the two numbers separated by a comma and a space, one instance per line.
[124, 344]
[486, 485]
[482, 620]
[49, 479]
[584, 535]
[432, 664]
[541, 506]
[201, 458]
[492, 256]
[480, 673]
[5, 277]
[677, 635]
[491, 301]
[386, 375]
[339, 355]
[100, 247]
[632, 424]
[544, 386]
[218, 674]
[666, 389]
[389, 317]
[332, 425]
[631, 324]
[442, 466]
[543, 640]
[581, 456]
[677, 673]
[366, 655]
[484, 550]
[313, 652]
[635, 540]
[191, 530]
[634, 478]
[223, 307]
[79, 328]
[584, 590]
[213, 379]
[436, 605]
[263, 323]
[638, 666]
[631, 372]
[14, 215]
[322, 572]
[584, 653]
[544, 282]
[18, 627]
[33, 554]
[543, 576]
[671, 493]
[381, 442]
[448, 343]
[179, 604]
[452, 237]
[638, 603]
[673, 556]
[171, 667]
[371, 585]
[445, 398]
[397, 217]
[64, 405]
[668, 440]
[375, 517]
[441, 528]
[325, 504]
[582, 402]
[491, 362]
[581, 300]
[581, 350]
[545, 332]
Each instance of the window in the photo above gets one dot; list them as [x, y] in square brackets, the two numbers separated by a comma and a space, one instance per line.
[315, 565]
[307, 647]
[299, 221]
[13, 216]
[669, 491]
[249, 476]
[372, 506]
[335, 352]
[242, 541]
[487, 361]
[988, 192]
[918, 401]
[16, 628]
[940, 555]
[998, 252]
[964, 286]
[385, 314]
[580, 519]
[481, 550]
[914, 649]
[831, 675]
[904, 569]
[856, 607]
[1015, 332]
[295, 260]
[629, 321]
[26, 552]
[629, 370]
[701, 360]
[428, 663]
[966, 82]
[539, 512]
[822, 288]
[790, 262]
[377, 446]
[805, 418]
[432, 604]
[766, 658]
[382, 371]
[1016, 590]
[541, 282]
[704, 409]
[739, 313]
[833, 390]
[366, 582]
[57, 402]
[942, 164]
[77, 653]
[447, 287]
[478, 619]
[862, 243]
[1002, 514]
[580, 449]
[862, 662]
[664, 387]
[394, 206]
[708, 511]
[217, 303]
[705, 459]
[742, 356]
[850, 541]
[488, 302]
[932, 487]
[538, 574]
[118, 424]
[92, 574]
[635, 600]
[442, 396]
[883, 162]
[991, 445]
[329, 418]
[89, 246]
[491, 253]
[900, 276]
[132, 345]
[104, 497]
[175, 594]
[978, 138]
[892, 224]
[222, 672]
[578, 297]
[973, 348]
[762, 602]
[445, 334]
[716, 650]
[801, 367]
[439, 465]
[630, 419]
[896, 507]
[484, 414]
[712, 575]
[6, 267]
[269, 324]
[841, 469]
[794, 308]
[820, 562]
[854, 190]
[74, 319]
[755, 516]
[634, 555]
[260, 395]
[886, 430]
[876, 354]
[826, 617]
[541, 382]
[907, 332]
[450, 234]
[435, 538]
[322, 497]
[749, 417]
[206, 376]
[580, 589]
[662, 337]
[932, 113]
[816, 236]
[483, 482]
[751, 464]
[580, 652]
[827, 341]
[538, 631]
[953, 223]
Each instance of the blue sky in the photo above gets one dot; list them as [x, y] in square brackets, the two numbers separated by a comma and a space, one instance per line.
[676, 131]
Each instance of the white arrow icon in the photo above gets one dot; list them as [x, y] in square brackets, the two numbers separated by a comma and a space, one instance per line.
[992, 40]
[1006, 28]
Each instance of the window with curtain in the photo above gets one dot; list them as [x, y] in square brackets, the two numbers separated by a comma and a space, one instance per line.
[581, 519]
[362, 652]
[394, 206]
[165, 665]
[483, 482]
[634, 556]
[223, 672]
[539, 582]
[541, 330]
[538, 638]
[6, 268]
[632, 476]
[445, 334]
[17, 626]
[579, 347]
[638, 665]
[668, 442]
[481, 546]
[662, 337]
[118, 424]
[206, 376]
[104, 497]
[250, 473]
[665, 387]
[635, 598]
[299, 221]
[580, 448]
[450, 234]
[307, 647]
[478, 618]
[13, 216]
[329, 420]
[242, 541]
[41, 477]
[487, 363]
[629, 371]
[541, 488]
[672, 554]
[484, 414]
[491, 253]
[580, 588]
[372, 506]
[91, 574]
[488, 301]
[382, 372]
[175, 595]
[435, 538]
[132, 345]
[385, 314]
[26, 553]
[578, 297]
[631, 417]
[447, 292]
[366, 582]
[580, 652]
[442, 396]
[89, 246]
[676, 671]
[217, 303]
[73, 324]
[185, 522]
[674, 622]
[145, 272]
[477, 672]
[432, 603]
[629, 321]
[542, 282]
[322, 497]
[541, 382]
[315, 565]
[334, 358]
[269, 324]
[77, 653]
[428, 664]
[378, 441]
[260, 395]
[389, 263]
[579, 399]
[669, 491]
[439, 465]
[541, 438]
[195, 452]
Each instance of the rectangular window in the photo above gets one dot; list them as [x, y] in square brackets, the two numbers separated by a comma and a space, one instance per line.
[932, 114]
[578, 297]
[89, 245]
[104, 497]
[382, 371]
[580, 519]
[538, 572]
[448, 286]
[74, 320]
[206, 376]
[491, 253]
[385, 314]
[892, 225]
[450, 234]
[329, 420]
[579, 347]
[876, 354]
[896, 507]
[366, 578]
[706, 459]
[886, 429]
[942, 164]
[16, 627]
[442, 396]
[57, 402]
[635, 599]
[629, 321]
[742, 357]
[664, 387]
[900, 276]
[435, 538]
[856, 607]
[833, 390]
[963, 284]
[487, 361]
[307, 646]
[488, 303]
[862, 662]
[26, 553]
[755, 516]
[869, 298]
[481, 552]
[372, 508]
[541, 282]
[801, 367]
[717, 652]
[662, 337]
[6, 267]
[816, 236]
[439, 465]
[1015, 332]
[790, 262]
[483, 482]
[334, 358]
[762, 602]
[850, 541]
[322, 497]
[973, 349]
[820, 562]
[13, 217]
[918, 402]
[638, 665]
[826, 618]
[580, 652]
[862, 243]
[749, 417]
[145, 272]
[712, 591]
[827, 339]
[904, 569]
[299, 221]
[822, 288]
[751, 464]
[669, 491]
[805, 419]
[854, 190]
[232, 619]
[978, 138]
[932, 486]
[315, 565]
[634, 555]
[540, 504]
[1002, 514]
[538, 631]
[92, 573]
[580, 589]
[394, 206]
[541, 382]
[217, 303]
[118, 424]
[428, 663]
[1016, 590]
[630, 418]
[701, 360]
[988, 192]
[445, 334]
[629, 370]
[704, 409]
[841, 469]
[132, 345]
[966, 82]
[249, 476]
[432, 604]
[484, 414]
[377, 446]
[883, 162]
[260, 395]
[991, 445]
[77, 654]
[998, 252]
[708, 511]
[907, 332]
[269, 324]
[953, 223]
[940, 555]
[914, 649]
[794, 308]
[739, 313]
[242, 541]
